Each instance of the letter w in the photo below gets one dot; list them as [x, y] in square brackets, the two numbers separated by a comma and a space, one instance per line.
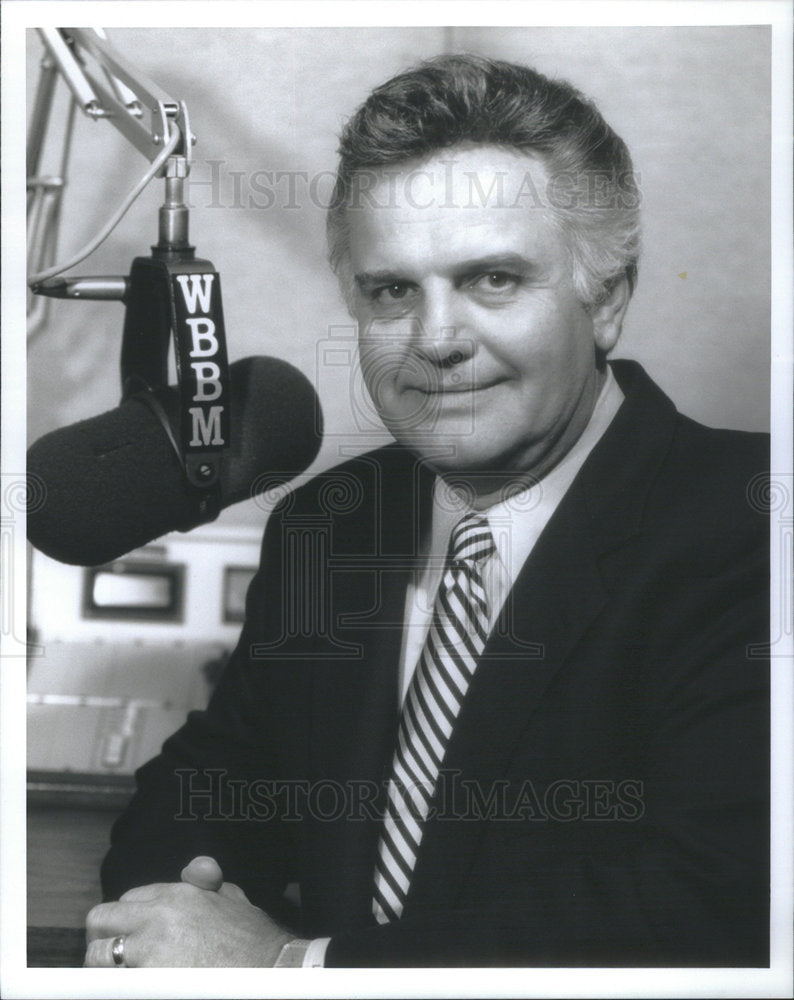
[196, 293]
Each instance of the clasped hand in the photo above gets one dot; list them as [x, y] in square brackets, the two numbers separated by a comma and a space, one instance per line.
[201, 921]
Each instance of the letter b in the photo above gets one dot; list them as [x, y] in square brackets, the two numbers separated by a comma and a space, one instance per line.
[205, 343]
[208, 386]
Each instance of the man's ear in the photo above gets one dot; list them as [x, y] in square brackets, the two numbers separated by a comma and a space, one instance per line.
[608, 315]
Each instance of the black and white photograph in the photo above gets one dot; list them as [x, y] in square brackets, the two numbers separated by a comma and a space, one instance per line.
[397, 500]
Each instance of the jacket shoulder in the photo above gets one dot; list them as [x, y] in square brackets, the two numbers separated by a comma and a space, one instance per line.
[372, 504]
[721, 473]
[709, 508]
[357, 480]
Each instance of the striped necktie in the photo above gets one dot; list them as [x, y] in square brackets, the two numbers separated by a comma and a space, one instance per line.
[453, 646]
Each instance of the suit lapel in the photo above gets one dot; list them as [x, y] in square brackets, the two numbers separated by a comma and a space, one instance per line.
[557, 594]
[355, 707]
[380, 568]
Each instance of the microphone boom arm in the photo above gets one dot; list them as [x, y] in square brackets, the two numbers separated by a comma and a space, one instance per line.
[128, 93]
[170, 292]
[81, 56]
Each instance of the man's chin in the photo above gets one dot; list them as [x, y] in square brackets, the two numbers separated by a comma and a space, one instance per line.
[449, 458]
[474, 470]
[448, 453]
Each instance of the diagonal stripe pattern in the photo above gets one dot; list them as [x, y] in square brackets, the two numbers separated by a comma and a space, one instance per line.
[454, 643]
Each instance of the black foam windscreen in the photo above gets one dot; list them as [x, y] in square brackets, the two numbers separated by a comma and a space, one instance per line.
[112, 483]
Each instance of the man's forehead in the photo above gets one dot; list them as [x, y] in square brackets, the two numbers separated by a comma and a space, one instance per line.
[460, 203]
[469, 176]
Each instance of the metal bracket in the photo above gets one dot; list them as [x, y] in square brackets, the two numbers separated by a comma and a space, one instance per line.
[120, 93]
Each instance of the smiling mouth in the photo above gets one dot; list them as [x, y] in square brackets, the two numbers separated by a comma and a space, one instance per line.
[456, 390]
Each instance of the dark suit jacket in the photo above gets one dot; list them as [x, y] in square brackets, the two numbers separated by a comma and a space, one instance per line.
[604, 799]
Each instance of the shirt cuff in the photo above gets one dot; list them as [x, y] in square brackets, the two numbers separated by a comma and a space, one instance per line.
[302, 954]
[315, 953]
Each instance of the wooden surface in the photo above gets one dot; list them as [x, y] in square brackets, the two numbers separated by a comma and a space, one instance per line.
[65, 848]
[56, 947]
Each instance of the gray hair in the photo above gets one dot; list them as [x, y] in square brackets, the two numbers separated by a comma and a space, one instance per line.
[449, 100]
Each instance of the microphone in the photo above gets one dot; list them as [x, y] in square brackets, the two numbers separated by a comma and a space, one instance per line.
[114, 482]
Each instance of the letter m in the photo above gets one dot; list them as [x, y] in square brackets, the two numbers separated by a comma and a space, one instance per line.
[196, 288]
[206, 429]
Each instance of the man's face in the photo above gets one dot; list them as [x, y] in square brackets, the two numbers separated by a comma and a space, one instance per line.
[474, 346]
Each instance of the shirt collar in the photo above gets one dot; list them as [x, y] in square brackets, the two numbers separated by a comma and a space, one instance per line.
[516, 523]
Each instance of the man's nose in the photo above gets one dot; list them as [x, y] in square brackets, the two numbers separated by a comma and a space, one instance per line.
[439, 335]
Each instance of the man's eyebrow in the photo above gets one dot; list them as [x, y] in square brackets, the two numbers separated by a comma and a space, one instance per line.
[496, 262]
[474, 265]
[369, 278]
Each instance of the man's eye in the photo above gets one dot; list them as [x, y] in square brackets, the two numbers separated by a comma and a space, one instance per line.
[391, 293]
[496, 281]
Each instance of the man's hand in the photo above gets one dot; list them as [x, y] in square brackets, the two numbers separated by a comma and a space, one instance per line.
[199, 922]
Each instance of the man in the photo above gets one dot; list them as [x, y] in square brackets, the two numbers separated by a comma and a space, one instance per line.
[499, 698]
